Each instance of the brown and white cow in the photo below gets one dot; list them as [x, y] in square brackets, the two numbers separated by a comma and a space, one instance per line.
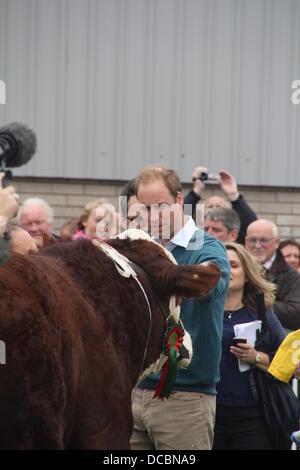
[78, 336]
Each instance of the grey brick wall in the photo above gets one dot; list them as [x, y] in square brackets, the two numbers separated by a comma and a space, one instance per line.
[67, 197]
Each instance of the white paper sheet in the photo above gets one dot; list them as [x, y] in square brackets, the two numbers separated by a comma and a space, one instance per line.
[248, 331]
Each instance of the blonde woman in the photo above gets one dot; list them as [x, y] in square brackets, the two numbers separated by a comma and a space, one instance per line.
[98, 219]
[239, 420]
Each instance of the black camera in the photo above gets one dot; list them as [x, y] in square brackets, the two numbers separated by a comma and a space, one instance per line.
[207, 177]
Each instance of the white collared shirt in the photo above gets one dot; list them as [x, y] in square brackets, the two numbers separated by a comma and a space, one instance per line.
[270, 261]
[183, 237]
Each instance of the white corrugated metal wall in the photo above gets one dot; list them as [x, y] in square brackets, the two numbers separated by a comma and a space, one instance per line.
[112, 85]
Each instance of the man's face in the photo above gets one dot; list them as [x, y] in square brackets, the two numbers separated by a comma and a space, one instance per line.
[22, 242]
[164, 213]
[35, 220]
[260, 241]
[218, 230]
[132, 211]
[291, 254]
[237, 273]
[90, 225]
[215, 201]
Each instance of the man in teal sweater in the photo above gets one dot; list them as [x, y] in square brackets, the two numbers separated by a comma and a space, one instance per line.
[186, 419]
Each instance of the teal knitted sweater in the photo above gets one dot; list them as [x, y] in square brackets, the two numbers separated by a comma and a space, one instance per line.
[203, 319]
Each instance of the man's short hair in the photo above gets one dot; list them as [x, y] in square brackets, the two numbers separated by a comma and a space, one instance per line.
[127, 192]
[289, 242]
[266, 222]
[149, 174]
[37, 201]
[228, 217]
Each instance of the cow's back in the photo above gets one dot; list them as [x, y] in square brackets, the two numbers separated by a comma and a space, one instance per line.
[75, 334]
[40, 310]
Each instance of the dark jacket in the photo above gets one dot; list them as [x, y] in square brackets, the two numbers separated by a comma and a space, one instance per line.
[234, 388]
[4, 250]
[287, 304]
[245, 213]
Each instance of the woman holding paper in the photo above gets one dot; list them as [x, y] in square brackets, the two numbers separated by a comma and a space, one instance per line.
[239, 420]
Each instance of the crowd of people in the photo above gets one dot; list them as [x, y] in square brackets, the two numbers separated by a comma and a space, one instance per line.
[212, 405]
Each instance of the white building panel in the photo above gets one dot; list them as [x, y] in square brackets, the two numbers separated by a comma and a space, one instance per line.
[112, 85]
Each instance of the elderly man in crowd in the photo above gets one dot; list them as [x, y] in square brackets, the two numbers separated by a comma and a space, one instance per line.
[262, 241]
[222, 223]
[36, 216]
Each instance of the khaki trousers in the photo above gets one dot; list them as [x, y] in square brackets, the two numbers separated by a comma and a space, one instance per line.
[184, 421]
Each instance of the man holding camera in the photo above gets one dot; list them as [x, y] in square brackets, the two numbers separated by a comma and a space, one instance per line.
[230, 189]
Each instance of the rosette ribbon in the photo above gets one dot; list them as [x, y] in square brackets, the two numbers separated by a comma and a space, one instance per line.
[171, 343]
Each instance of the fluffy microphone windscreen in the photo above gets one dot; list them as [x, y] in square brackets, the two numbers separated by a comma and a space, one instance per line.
[25, 140]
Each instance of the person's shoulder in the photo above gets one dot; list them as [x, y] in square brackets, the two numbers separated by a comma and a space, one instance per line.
[292, 278]
[271, 315]
[280, 266]
[4, 250]
[206, 241]
[274, 322]
[208, 248]
[289, 274]
[211, 242]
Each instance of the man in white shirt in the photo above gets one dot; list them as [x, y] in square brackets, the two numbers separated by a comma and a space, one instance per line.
[186, 419]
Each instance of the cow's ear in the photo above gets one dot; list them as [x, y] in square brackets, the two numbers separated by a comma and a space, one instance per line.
[195, 281]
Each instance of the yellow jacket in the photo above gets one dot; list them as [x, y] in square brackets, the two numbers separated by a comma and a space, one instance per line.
[286, 358]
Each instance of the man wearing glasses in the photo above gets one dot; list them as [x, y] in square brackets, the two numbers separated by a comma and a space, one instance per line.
[262, 241]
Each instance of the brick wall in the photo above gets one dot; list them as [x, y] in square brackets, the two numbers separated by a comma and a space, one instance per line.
[278, 204]
[67, 197]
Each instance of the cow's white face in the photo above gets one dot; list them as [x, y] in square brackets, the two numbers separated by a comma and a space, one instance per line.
[135, 234]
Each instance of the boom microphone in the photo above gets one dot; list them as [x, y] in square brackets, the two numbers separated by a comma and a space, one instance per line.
[17, 145]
